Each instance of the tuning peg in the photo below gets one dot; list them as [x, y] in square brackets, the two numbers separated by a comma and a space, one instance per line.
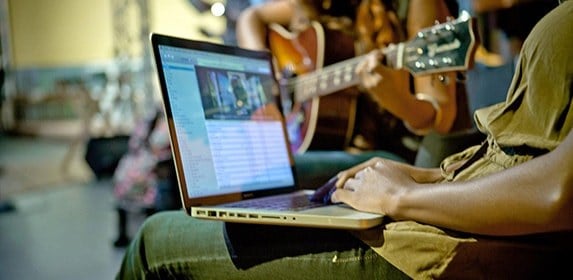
[433, 62]
[464, 15]
[447, 60]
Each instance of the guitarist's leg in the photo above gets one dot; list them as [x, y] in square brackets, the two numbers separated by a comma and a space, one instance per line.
[378, 130]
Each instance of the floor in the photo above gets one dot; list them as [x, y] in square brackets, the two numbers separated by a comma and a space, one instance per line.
[63, 229]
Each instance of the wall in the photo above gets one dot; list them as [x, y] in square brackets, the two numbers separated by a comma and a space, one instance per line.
[49, 33]
[53, 33]
[71, 41]
[178, 18]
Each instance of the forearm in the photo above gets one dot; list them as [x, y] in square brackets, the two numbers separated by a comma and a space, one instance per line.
[253, 22]
[423, 14]
[418, 114]
[483, 6]
[251, 32]
[442, 88]
[511, 202]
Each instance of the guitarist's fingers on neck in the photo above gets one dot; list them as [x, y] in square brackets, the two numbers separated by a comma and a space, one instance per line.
[369, 63]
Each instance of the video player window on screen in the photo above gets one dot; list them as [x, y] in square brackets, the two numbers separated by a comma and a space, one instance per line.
[229, 130]
[229, 94]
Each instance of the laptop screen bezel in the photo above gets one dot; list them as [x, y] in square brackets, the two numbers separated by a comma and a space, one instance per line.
[171, 41]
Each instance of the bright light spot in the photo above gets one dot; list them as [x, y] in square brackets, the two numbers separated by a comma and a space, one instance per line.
[218, 9]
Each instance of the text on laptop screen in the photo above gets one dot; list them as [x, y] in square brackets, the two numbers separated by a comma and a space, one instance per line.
[229, 129]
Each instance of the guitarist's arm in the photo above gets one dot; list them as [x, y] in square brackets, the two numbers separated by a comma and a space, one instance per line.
[422, 14]
[390, 88]
[253, 22]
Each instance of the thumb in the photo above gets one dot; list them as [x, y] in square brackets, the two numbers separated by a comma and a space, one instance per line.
[340, 195]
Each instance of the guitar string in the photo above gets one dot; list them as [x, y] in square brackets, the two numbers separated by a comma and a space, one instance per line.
[305, 77]
[301, 79]
[328, 70]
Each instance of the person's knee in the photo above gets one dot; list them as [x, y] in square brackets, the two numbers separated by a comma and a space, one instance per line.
[153, 227]
[143, 248]
[159, 217]
[157, 221]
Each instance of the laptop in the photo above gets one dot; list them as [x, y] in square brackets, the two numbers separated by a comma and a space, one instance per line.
[229, 141]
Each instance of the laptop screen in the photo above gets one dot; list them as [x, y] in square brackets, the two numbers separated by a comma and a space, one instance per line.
[227, 131]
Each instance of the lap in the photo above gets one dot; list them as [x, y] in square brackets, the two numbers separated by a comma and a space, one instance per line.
[174, 244]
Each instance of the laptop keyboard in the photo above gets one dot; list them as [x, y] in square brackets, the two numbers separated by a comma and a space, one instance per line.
[292, 203]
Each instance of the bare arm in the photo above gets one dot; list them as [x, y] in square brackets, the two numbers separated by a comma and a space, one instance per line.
[482, 6]
[253, 21]
[391, 90]
[422, 14]
[534, 197]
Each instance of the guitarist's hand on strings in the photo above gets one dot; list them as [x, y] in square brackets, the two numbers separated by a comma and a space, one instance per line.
[431, 105]
[384, 84]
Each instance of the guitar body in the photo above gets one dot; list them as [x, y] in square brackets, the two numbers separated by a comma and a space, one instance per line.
[319, 123]
[319, 98]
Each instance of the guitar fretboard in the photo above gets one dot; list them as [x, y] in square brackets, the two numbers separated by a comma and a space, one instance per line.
[445, 47]
[332, 78]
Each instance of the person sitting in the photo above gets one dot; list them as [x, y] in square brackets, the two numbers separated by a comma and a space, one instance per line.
[500, 210]
[373, 24]
[382, 111]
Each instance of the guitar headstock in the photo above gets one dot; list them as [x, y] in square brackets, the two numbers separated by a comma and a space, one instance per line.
[448, 46]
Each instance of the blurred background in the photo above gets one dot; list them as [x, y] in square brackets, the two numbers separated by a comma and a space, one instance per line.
[76, 72]
[78, 80]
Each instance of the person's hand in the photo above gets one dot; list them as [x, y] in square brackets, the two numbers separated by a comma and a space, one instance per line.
[374, 185]
[383, 84]
[324, 193]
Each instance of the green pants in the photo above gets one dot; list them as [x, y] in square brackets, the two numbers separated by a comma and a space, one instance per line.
[172, 245]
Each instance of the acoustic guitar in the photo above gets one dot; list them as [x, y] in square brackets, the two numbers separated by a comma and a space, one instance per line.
[308, 81]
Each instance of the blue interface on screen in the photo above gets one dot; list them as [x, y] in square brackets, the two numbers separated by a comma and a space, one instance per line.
[229, 131]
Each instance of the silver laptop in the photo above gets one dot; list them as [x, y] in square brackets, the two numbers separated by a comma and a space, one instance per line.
[229, 141]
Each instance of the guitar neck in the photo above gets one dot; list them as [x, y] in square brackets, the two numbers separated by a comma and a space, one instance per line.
[334, 77]
[445, 47]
